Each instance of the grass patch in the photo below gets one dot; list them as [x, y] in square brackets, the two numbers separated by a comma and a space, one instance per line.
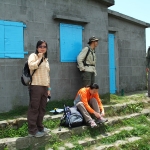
[17, 112]
[143, 144]
[109, 99]
[52, 124]
[141, 128]
[9, 131]
[22, 110]
[139, 131]
[13, 131]
[126, 109]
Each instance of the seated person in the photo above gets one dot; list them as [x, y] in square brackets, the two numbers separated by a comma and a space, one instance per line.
[88, 102]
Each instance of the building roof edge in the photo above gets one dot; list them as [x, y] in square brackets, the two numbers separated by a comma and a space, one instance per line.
[128, 18]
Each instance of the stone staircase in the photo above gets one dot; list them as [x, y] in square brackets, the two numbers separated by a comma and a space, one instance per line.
[65, 135]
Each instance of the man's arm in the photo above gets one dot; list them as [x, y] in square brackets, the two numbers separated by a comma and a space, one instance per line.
[100, 104]
[147, 63]
[148, 59]
[81, 57]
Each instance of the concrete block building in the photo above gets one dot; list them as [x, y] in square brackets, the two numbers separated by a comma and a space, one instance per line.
[67, 25]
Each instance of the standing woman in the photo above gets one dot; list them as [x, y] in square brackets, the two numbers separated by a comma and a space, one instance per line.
[38, 90]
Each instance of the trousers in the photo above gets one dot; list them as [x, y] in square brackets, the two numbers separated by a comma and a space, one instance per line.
[37, 108]
[86, 115]
[88, 78]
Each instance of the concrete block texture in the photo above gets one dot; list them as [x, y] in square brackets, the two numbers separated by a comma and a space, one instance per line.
[37, 15]
[130, 40]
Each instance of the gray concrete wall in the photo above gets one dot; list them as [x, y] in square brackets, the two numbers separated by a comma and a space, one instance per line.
[38, 17]
[130, 49]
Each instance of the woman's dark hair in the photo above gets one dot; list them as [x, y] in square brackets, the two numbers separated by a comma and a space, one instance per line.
[93, 86]
[38, 44]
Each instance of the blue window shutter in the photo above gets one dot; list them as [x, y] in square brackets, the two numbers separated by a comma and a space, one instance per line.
[14, 40]
[70, 42]
[2, 39]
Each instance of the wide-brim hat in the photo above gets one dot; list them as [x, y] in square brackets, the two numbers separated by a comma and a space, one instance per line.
[92, 39]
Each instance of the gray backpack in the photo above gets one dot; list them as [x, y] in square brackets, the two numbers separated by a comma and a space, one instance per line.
[71, 117]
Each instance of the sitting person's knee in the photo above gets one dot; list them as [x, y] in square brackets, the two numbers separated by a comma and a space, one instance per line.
[79, 104]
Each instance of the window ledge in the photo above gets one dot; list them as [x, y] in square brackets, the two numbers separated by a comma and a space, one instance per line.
[70, 18]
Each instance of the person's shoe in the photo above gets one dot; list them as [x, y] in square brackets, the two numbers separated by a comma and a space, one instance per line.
[46, 130]
[101, 120]
[92, 124]
[38, 134]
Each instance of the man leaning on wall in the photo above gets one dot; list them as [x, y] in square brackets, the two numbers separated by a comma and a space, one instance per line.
[148, 70]
[88, 67]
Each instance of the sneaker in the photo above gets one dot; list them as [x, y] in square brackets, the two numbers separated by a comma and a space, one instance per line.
[38, 134]
[46, 130]
[101, 120]
[92, 124]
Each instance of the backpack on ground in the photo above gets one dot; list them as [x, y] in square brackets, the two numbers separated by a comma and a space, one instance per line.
[71, 117]
[26, 78]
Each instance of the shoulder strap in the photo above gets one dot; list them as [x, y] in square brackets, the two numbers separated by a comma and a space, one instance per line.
[84, 61]
[38, 66]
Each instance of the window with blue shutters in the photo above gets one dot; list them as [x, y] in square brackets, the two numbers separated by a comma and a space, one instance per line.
[70, 42]
[11, 39]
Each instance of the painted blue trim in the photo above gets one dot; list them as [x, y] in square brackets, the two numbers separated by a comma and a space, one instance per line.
[24, 26]
[26, 52]
[112, 67]
[70, 42]
[11, 39]
[2, 46]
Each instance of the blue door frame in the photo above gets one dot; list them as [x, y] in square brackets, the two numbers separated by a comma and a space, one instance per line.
[112, 67]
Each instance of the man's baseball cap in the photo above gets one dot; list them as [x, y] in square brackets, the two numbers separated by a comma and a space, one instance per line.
[92, 39]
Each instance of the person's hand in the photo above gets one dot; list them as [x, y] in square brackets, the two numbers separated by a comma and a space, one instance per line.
[48, 92]
[147, 69]
[40, 55]
[97, 115]
[102, 114]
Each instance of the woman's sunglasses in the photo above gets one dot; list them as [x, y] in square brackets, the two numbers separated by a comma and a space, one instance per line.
[42, 47]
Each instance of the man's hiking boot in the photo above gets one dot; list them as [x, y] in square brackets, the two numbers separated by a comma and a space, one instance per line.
[101, 120]
[38, 134]
[92, 124]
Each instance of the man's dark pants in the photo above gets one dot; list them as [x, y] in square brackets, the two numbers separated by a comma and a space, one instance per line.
[88, 78]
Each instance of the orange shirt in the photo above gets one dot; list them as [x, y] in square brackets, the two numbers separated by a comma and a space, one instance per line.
[85, 98]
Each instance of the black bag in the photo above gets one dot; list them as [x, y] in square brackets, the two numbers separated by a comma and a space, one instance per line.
[71, 117]
[84, 61]
[26, 78]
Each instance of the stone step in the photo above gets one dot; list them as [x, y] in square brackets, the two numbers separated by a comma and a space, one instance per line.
[92, 141]
[66, 133]
[117, 143]
[25, 142]
[16, 123]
